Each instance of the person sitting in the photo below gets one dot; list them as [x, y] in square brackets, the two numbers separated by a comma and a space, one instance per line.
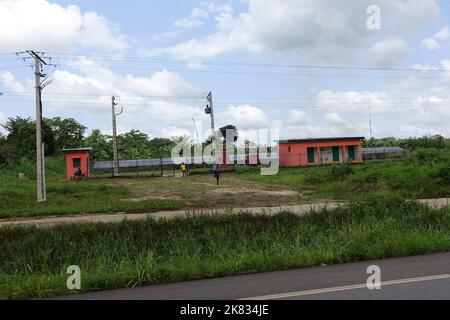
[78, 173]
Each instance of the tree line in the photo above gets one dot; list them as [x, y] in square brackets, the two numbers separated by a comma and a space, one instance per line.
[19, 143]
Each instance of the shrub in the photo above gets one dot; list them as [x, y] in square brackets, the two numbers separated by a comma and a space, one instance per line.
[442, 173]
[426, 157]
[341, 171]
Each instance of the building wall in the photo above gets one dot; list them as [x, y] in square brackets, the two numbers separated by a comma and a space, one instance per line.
[84, 163]
[295, 154]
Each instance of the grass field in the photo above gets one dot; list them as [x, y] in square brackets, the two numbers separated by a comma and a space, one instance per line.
[18, 198]
[421, 176]
[132, 195]
[33, 261]
[408, 179]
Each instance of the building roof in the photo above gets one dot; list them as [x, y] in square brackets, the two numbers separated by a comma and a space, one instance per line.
[382, 150]
[321, 139]
[77, 150]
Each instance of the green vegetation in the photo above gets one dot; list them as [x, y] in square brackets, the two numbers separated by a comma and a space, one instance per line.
[18, 197]
[33, 261]
[424, 174]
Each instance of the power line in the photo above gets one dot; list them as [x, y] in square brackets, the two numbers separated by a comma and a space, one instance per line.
[226, 98]
[249, 64]
[308, 75]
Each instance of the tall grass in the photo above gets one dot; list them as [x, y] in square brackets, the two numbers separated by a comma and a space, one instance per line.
[423, 175]
[33, 261]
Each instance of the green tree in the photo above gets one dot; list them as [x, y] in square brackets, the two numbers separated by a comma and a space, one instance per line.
[21, 138]
[68, 133]
[133, 145]
[101, 144]
[161, 147]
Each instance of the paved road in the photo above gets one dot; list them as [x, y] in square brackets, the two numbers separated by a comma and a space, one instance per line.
[419, 277]
[118, 217]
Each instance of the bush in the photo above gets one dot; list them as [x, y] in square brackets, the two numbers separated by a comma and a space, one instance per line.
[442, 173]
[426, 156]
[341, 171]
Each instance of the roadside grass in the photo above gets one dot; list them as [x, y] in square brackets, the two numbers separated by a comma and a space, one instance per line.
[33, 261]
[17, 197]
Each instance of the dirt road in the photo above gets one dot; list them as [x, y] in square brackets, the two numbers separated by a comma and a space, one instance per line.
[118, 217]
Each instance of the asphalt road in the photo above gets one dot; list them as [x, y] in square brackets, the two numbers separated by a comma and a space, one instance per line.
[419, 277]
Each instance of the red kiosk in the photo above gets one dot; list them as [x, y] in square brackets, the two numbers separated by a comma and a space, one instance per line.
[77, 158]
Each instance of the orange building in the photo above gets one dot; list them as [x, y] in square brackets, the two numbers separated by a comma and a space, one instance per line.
[77, 158]
[313, 152]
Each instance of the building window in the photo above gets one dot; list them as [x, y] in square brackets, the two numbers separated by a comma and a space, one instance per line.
[289, 149]
[311, 155]
[76, 162]
[336, 154]
[351, 153]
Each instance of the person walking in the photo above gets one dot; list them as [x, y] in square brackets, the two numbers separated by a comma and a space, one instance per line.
[183, 168]
[217, 173]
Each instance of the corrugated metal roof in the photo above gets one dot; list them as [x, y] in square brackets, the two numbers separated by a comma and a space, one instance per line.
[321, 139]
[76, 150]
[381, 150]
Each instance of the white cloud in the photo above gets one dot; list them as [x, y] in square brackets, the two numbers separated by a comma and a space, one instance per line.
[245, 117]
[443, 34]
[389, 52]
[340, 126]
[195, 19]
[355, 101]
[318, 30]
[146, 100]
[3, 119]
[446, 64]
[430, 44]
[10, 82]
[298, 117]
[41, 25]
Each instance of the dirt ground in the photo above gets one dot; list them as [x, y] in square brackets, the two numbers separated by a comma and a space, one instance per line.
[201, 191]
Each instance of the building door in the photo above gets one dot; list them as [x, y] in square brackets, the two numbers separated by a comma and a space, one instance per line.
[336, 156]
[311, 156]
[351, 153]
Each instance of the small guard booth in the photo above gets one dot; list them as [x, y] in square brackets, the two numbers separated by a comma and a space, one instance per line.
[77, 158]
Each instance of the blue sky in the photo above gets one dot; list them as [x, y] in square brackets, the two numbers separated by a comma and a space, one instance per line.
[160, 57]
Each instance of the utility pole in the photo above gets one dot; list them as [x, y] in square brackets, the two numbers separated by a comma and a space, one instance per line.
[39, 61]
[370, 121]
[210, 110]
[116, 169]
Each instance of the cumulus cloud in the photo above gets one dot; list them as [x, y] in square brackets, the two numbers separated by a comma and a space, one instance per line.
[298, 117]
[195, 19]
[340, 126]
[356, 101]
[245, 117]
[3, 119]
[149, 102]
[430, 44]
[41, 25]
[443, 34]
[318, 30]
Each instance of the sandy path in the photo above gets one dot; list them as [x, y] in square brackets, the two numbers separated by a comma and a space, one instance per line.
[118, 217]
